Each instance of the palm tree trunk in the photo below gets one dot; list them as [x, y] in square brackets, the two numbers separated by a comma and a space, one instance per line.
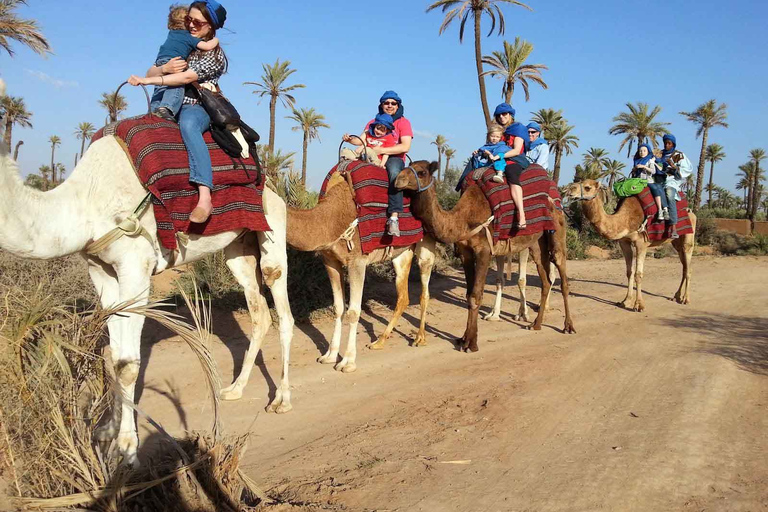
[8, 131]
[447, 163]
[304, 160]
[711, 175]
[755, 197]
[510, 92]
[53, 168]
[556, 172]
[16, 150]
[700, 173]
[82, 147]
[439, 162]
[272, 106]
[479, 64]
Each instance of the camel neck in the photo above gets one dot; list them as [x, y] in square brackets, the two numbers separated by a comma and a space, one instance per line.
[626, 219]
[321, 226]
[447, 226]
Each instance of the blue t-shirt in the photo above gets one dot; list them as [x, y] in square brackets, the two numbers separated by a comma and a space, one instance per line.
[180, 43]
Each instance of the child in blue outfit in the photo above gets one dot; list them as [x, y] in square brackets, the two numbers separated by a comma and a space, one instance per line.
[166, 101]
[484, 156]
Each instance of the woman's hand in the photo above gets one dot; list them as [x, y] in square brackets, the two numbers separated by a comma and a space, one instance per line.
[175, 65]
[137, 80]
[346, 137]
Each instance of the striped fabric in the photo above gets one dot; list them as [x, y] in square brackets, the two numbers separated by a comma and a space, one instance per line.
[537, 189]
[371, 184]
[160, 159]
[659, 230]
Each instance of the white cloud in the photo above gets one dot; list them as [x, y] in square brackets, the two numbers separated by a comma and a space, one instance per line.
[50, 80]
[426, 135]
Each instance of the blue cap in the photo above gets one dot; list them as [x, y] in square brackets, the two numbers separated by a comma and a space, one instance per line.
[390, 95]
[384, 119]
[670, 137]
[217, 12]
[504, 108]
[534, 125]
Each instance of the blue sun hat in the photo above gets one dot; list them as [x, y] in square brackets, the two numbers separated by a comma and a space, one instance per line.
[504, 108]
[390, 95]
[217, 12]
[382, 119]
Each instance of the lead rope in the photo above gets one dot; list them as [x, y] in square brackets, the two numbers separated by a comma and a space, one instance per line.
[483, 226]
[130, 226]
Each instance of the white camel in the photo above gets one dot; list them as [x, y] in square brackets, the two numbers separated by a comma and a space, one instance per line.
[101, 192]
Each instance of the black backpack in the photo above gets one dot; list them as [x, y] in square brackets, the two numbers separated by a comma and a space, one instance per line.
[231, 146]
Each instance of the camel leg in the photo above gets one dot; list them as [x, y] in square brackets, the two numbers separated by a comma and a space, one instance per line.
[540, 253]
[402, 264]
[494, 316]
[560, 261]
[641, 247]
[468, 264]
[629, 258]
[475, 300]
[242, 263]
[684, 246]
[273, 259]
[335, 272]
[522, 283]
[356, 270]
[426, 256]
[508, 267]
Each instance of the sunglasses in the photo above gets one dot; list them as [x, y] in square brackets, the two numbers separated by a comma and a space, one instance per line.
[532, 131]
[192, 22]
[389, 103]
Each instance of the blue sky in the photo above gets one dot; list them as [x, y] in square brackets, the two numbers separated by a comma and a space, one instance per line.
[679, 55]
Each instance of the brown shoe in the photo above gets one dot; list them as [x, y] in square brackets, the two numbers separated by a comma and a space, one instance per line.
[199, 215]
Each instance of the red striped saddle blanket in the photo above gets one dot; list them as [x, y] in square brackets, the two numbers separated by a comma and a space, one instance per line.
[660, 230]
[537, 190]
[370, 184]
[158, 155]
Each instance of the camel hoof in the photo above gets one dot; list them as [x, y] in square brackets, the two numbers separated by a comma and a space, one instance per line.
[569, 328]
[326, 359]
[639, 308]
[378, 344]
[420, 341]
[345, 367]
[279, 408]
[231, 393]
[127, 446]
[534, 327]
[491, 317]
[625, 304]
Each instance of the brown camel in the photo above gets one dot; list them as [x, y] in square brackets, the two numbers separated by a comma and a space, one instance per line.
[624, 225]
[320, 229]
[460, 226]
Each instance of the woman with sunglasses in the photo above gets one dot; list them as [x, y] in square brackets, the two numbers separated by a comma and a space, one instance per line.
[391, 104]
[204, 67]
[504, 115]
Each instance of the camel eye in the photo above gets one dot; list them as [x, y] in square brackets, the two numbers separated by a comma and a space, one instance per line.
[422, 174]
[587, 187]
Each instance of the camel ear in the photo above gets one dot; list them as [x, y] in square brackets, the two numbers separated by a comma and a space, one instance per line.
[433, 167]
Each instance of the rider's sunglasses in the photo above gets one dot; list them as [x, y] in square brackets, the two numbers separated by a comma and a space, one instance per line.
[389, 103]
[192, 22]
[532, 131]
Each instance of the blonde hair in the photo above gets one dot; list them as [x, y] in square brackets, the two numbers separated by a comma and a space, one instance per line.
[176, 15]
[494, 128]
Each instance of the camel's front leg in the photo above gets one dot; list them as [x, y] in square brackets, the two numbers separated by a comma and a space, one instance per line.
[627, 249]
[495, 315]
[356, 270]
[475, 299]
[522, 283]
[540, 253]
[560, 261]
[274, 267]
[684, 246]
[335, 273]
[641, 247]
[426, 255]
[402, 264]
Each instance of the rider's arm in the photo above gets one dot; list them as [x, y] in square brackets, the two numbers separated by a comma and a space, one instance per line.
[398, 149]
[517, 148]
[175, 65]
[176, 79]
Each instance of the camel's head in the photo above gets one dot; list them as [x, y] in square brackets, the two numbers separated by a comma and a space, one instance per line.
[417, 176]
[582, 191]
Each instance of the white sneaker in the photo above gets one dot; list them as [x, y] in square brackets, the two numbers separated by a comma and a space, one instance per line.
[499, 178]
[393, 226]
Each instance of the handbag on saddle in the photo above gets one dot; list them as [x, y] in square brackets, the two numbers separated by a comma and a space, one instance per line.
[220, 110]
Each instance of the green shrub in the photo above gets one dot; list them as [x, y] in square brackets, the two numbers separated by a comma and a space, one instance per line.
[575, 244]
[705, 230]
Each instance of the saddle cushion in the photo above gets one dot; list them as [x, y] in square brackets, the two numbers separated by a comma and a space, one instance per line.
[659, 230]
[537, 191]
[159, 157]
[370, 184]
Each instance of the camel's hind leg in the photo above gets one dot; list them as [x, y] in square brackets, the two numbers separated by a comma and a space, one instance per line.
[356, 270]
[425, 253]
[559, 261]
[402, 264]
[684, 246]
[335, 274]
[629, 259]
[495, 315]
[641, 248]
[540, 253]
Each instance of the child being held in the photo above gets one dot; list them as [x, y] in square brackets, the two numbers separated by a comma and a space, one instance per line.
[485, 155]
[379, 135]
[166, 101]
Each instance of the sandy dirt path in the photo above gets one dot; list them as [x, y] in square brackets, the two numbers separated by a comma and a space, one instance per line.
[661, 410]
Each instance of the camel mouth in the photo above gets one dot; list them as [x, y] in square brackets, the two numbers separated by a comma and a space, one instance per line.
[403, 183]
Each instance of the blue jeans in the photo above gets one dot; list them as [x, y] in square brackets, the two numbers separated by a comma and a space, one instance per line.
[394, 165]
[672, 202]
[193, 122]
[657, 190]
[168, 97]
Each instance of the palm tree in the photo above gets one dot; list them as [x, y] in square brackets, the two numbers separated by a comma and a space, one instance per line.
[707, 115]
[612, 171]
[83, 133]
[746, 172]
[547, 118]
[561, 141]
[55, 141]
[114, 103]
[16, 149]
[13, 28]
[510, 66]
[595, 159]
[45, 173]
[275, 162]
[755, 157]
[715, 153]
[272, 85]
[440, 142]
[309, 122]
[688, 185]
[60, 170]
[15, 112]
[638, 124]
[462, 10]
[449, 153]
